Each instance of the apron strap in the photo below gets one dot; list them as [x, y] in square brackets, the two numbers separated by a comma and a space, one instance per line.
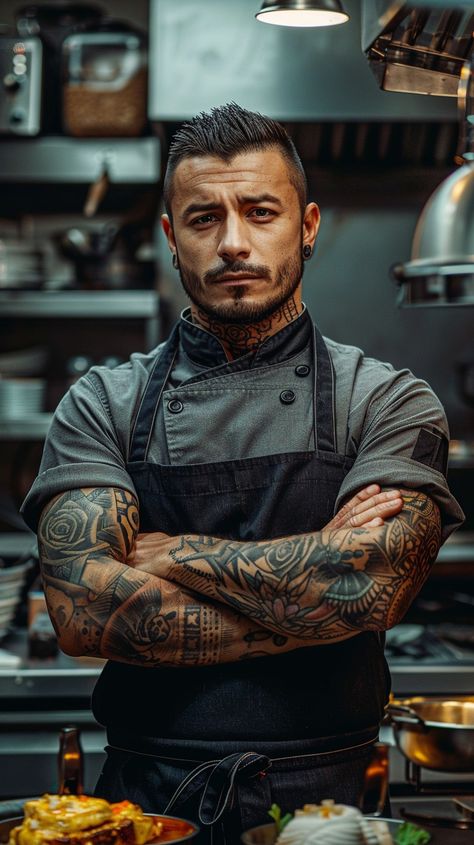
[144, 422]
[323, 396]
[216, 780]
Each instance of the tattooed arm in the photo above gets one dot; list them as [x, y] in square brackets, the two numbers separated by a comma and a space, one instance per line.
[101, 606]
[319, 587]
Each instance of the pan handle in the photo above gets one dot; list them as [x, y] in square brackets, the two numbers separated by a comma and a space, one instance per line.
[401, 714]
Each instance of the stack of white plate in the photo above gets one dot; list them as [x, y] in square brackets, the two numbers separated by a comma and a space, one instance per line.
[21, 397]
[21, 264]
[12, 579]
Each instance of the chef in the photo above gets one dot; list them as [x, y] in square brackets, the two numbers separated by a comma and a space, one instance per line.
[235, 518]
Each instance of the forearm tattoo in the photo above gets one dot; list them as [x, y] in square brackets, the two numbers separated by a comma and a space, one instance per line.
[101, 606]
[323, 586]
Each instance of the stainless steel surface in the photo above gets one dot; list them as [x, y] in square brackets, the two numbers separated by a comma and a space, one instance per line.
[302, 74]
[21, 82]
[435, 733]
[72, 160]
[32, 427]
[76, 304]
[421, 50]
[445, 231]
[62, 678]
[441, 270]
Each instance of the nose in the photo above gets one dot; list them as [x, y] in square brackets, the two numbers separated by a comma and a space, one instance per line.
[233, 239]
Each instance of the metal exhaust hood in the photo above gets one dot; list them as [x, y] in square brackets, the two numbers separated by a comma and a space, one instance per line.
[418, 47]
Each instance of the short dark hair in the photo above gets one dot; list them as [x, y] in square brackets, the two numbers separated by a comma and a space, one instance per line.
[226, 131]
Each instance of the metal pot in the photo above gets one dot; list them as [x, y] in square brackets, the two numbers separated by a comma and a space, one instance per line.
[435, 733]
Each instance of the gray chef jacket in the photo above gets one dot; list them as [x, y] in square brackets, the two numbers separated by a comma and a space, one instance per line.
[389, 422]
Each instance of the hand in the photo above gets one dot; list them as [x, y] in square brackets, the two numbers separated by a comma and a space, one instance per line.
[368, 508]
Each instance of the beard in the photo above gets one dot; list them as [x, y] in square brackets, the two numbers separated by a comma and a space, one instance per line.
[240, 310]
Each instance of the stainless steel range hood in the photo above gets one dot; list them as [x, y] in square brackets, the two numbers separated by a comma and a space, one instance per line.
[418, 47]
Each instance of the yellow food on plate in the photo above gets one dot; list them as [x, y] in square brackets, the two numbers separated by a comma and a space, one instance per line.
[83, 820]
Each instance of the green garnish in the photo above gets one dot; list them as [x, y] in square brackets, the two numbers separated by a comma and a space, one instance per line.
[411, 834]
[280, 821]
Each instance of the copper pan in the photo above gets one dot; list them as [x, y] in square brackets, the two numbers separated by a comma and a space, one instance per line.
[435, 733]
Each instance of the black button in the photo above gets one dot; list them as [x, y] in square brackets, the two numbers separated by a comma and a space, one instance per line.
[175, 406]
[287, 397]
[302, 370]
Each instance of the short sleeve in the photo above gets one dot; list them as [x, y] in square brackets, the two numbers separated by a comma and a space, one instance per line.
[82, 449]
[404, 442]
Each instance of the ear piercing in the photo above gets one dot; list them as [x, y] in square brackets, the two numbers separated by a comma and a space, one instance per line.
[175, 261]
[307, 252]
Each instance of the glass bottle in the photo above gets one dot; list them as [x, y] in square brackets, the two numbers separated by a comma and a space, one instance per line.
[70, 762]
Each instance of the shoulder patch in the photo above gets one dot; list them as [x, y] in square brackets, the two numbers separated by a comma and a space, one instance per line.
[431, 448]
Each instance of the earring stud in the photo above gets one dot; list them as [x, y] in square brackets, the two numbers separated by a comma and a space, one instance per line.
[175, 261]
[307, 252]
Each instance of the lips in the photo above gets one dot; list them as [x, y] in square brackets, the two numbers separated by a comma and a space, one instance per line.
[234, 279]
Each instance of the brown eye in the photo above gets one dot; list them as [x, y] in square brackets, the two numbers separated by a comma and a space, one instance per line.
[204, 220]
[262, 213]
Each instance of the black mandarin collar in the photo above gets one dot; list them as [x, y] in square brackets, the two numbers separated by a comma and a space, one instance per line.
[205, 350]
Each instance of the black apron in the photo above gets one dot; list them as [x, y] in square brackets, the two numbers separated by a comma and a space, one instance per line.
[313, 702]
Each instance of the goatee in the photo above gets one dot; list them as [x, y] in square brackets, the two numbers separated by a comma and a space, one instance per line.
[241, 311]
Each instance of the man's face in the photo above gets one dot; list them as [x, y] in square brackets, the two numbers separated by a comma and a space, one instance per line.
[238, 234]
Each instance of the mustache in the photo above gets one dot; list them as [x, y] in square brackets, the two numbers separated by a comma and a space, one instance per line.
[217, 273]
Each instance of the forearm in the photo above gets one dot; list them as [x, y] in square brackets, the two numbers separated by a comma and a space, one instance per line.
[100, 606]
[318, 587]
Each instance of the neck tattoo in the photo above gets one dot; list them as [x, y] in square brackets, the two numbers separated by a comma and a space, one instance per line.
[238, 339]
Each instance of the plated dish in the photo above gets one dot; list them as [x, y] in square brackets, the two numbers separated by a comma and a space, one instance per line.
[84, 820]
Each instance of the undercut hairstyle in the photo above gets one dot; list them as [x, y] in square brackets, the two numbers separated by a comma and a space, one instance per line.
[227, 131]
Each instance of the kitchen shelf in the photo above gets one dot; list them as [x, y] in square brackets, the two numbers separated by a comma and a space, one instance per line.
[80, 303]
[33, 427]
[58, 159]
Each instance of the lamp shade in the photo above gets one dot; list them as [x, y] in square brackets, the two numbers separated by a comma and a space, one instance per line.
[441, 270]
[302, 13]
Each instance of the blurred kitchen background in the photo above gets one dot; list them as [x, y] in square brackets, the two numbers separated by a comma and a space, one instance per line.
[91, 95]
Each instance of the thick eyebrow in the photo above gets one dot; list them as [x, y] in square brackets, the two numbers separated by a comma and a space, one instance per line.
[258, 198]
[202, 207]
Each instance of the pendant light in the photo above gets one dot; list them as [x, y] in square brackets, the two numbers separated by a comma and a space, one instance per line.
[302, 13]
[441, 270]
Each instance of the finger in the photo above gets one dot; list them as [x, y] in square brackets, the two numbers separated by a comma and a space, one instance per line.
[386, 496]
[362, 496]
[381, 509]
[388, 499]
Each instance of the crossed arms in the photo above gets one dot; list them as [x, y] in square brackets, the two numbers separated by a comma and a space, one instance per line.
[156, 600]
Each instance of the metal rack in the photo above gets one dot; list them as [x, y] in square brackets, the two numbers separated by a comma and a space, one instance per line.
[57, 159]
[76, 304]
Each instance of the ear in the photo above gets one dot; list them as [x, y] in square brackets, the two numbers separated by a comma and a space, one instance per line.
[311, 221]
[168, 230]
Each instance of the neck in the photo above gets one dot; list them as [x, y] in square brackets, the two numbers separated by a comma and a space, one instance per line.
[239, 338]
